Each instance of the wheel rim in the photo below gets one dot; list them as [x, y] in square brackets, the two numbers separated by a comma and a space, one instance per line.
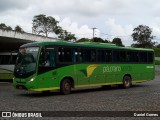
[67, 86]
[127, 82]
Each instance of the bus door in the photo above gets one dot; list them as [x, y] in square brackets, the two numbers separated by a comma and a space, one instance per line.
[47, 64]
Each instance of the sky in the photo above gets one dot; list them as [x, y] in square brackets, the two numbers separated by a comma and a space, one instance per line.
[112, 18]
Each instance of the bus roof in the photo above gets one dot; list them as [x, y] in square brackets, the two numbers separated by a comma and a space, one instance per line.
[83, 44]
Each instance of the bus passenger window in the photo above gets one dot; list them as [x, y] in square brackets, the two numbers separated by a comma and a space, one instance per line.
[47, 58]
[65, 54]
[93, 56]
[116, 56]
[74, 55]
[143, 57]
[122, 56]
[101, 56]
[108, 55]
[87, 55]
[150, 57]
[132, 57]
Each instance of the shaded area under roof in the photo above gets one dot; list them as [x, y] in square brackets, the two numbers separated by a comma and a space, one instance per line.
[12, 40]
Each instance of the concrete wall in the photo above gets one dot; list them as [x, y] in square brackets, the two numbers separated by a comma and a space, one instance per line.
[24, 36]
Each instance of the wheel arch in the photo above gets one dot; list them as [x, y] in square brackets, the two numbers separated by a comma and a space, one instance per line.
[71, 79]
[127, 75]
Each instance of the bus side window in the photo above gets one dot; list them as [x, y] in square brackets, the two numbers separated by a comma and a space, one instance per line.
[143, 57]
[4, 59]
[101, 56]
[52, 58]
[47, 58]
[65, 54]
[74, 55]
[13, 59]
[93, 56]
[122, 56]
[150, 57]
[108, 55]
[82, 55]
[116, 56]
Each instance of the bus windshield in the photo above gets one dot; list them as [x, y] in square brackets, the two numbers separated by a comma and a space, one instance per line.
[26, 61]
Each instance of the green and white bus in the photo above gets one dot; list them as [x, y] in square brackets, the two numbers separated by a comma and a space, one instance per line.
[46, 66]
[7, 62]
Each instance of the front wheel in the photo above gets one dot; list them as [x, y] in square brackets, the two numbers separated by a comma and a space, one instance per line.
[127, 82]
[65, 87]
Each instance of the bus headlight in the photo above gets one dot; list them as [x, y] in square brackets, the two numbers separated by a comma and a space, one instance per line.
[31, 80]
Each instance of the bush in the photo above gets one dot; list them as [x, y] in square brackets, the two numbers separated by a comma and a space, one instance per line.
[157, 62]
[157, 52]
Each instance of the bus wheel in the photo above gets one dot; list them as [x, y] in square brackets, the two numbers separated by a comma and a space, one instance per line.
[65, 87]
[127, 82]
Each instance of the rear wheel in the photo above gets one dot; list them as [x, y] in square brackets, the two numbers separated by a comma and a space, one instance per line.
[65, 87]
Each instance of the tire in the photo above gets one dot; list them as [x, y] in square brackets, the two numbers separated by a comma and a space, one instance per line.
[127, 82]
[65, 87]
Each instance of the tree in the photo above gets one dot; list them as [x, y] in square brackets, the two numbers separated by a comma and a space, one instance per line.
[44, 25]
[4, 27]
[118, 42]
[143, 36]
[96, 39]
[83, 40]
[158, 46]
[18, 29]
[66, 35]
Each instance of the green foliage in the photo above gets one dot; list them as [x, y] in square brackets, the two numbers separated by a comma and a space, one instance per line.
[66, 35]
[4, 27]
[158, 46]
[157, 62]
[96, 39]
[18, 29]
[157, 52]
[44, 25]
[143, 36]
[83, 40]
[118, 42]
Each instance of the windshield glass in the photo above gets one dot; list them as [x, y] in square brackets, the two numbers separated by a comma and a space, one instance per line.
[26, 60]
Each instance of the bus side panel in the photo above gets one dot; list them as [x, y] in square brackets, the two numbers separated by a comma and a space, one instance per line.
[53, 78]
[6, 72]
[81, 73]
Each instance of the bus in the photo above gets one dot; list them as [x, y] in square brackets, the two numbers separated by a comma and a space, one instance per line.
[63, 66]
[7, 62]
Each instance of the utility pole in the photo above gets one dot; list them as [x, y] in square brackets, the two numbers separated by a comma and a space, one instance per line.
[93, 31]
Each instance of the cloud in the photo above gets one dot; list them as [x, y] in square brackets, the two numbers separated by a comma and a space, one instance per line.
[6, 5]
[80, 31]
[80, 16]
[117, 30]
